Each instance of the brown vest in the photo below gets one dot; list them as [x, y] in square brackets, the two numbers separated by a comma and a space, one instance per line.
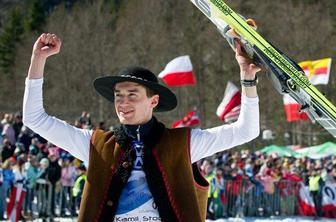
[178, 189]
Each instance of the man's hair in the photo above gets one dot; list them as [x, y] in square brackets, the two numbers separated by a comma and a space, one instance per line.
[150, 92]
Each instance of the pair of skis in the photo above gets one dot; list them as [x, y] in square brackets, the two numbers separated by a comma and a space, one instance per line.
[286, 75]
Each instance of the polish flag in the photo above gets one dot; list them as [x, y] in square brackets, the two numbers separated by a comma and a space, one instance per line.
[190, 119]
[292, 109]
[15, 203]
[229, 109]
[317, 71]
[305, 202]
[178, 72]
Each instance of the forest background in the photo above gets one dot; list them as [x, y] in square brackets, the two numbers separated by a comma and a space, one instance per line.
[100, 37]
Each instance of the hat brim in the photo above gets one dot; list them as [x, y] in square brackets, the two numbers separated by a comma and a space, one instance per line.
[105, 87]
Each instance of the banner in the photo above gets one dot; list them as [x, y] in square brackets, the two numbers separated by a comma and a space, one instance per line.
[292, 109]
[305, 202]
[319, 151]
[15, 203]
[229, 109]
[329, 200]
[190, 119]
[307, 206]
[178, 72]
[317, 71]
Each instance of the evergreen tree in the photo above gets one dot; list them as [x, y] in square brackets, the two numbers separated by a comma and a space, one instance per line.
[10, 35]
[35, 17]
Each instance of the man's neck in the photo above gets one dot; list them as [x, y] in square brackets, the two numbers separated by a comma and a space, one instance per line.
[138, 132]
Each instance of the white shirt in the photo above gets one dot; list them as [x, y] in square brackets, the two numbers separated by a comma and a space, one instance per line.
[203, 143]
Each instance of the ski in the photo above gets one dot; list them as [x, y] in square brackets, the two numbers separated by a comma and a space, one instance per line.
[285, 74]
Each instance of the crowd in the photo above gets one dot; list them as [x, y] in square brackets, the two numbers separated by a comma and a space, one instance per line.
[53, 179]
[48, 177]
[233, 174]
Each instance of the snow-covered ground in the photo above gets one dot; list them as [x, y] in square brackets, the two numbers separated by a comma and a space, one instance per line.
[273, 219]
[245, 219]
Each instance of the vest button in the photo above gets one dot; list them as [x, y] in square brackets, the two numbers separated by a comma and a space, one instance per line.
[109, 203]
[126, 164]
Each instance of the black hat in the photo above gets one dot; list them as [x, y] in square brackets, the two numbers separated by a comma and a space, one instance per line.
[81, 167]
[105, 86]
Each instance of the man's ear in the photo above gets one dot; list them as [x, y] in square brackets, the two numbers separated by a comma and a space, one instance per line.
[155, 101]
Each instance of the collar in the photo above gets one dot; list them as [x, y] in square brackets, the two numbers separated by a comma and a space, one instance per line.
[150, 133]
[138, 132]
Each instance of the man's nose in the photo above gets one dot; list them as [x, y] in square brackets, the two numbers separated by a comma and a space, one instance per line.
[123, 100]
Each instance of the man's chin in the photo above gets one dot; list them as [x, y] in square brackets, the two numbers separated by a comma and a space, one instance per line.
[126, 121]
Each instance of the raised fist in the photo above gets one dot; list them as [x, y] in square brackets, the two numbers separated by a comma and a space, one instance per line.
[46, 45]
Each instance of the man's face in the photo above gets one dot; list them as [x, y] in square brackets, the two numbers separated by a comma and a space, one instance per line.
[132, 104]
[52, 158]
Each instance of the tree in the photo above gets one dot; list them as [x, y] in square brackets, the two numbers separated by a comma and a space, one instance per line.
[9, 37]
[35, 15]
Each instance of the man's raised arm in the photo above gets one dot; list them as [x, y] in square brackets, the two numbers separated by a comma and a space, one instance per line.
[46, 45]
[210, 141]
[74, 140]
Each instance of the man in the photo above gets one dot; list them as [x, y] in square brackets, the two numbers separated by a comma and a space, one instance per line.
[78, 187]
[315, 187]
[141, 171]
[54, 173]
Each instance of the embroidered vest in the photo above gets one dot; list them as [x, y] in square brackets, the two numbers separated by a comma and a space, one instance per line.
[178, 189]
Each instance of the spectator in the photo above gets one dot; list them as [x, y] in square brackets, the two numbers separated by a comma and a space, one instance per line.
[315, 187]
[102, 125]
[206, 167]
[6, 118]
[216, 190]
[32, 175]
[77, 124]
[67, 181]
[19, 149]
[17, 125]
[18, 192]
[78, 187]
[25, 138]
[54, 173]
[8, 130]
[8, 179]
[233, 187]
[2, 196]
[33, 148]
[42, 188]
[7, 150]
[85, 119]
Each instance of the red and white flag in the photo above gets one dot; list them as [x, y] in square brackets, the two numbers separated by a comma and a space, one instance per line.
[292, 109]
[190, 119]
[178, 72]
[329, 200]
[305, 202]
[15, 203]
[317, 71]
[229, 109]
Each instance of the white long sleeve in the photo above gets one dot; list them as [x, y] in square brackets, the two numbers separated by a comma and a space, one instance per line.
[77, 141]
[74, 140]
[207, 142]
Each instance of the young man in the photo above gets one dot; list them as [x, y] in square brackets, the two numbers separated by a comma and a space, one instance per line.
[141, 171]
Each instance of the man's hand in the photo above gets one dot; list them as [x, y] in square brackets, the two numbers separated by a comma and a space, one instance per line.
[46, 45]
[248, 69]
